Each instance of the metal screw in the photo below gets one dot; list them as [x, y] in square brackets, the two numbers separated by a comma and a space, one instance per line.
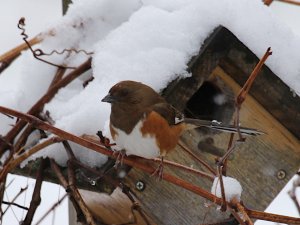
[140, 185]
[281, 174]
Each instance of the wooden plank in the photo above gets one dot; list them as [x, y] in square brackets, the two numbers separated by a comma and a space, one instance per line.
[257, 162]
[112, 209]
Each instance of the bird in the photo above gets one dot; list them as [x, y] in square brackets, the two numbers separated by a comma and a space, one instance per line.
[143, 123]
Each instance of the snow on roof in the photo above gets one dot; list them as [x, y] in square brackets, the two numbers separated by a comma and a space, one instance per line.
[144, 40]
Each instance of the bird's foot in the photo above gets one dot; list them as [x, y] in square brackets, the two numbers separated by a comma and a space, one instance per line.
[104, 140]
[119, 158]
[159, 172]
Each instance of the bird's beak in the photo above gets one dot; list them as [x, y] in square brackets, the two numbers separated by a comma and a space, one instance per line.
[108, 98]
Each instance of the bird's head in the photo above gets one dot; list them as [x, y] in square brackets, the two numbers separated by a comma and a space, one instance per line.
[128, 92]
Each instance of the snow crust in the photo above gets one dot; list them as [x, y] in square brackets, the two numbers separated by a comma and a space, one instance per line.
[150, 41]
[232, 188]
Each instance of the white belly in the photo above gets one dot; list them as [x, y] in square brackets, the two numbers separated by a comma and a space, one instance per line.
[136, 144]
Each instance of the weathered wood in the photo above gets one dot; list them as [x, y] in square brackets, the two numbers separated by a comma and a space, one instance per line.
[84, 179]
[112, 209]
[259, 162]
[255, 163]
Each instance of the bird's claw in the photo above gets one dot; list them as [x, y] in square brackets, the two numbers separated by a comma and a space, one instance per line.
[159, 172]
[119, 158]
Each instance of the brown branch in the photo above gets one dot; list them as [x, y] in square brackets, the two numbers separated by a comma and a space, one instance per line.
[15, 204]
[292, 193]
[36, 196]
[139, 163]
[202, 162]
[58, 76]
[268, 2]
[238, 104]
[8, 57]
[237, 217]
[185, 168]
[241, 209]
[272, 217]
[223, 206]
[134, 162]
[39, 105]
[23, 138]
[135, 205]
[290, 2]
[245, 89]
[73, 191]
[13, 163]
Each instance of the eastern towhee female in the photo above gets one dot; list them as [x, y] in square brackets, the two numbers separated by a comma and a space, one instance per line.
[143, 123]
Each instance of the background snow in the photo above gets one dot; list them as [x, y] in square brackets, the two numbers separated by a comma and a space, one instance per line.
[253, 23]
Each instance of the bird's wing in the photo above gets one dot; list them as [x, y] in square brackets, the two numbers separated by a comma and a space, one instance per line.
[165, 110]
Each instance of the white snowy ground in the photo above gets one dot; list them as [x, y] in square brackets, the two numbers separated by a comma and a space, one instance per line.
[146, 40]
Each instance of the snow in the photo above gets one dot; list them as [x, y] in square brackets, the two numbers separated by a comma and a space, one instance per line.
[142, 40]
[145, 40]
[232, 188]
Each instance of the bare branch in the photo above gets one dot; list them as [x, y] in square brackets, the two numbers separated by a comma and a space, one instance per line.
[292, 193]
[38, 106]
[291, 2]
[39, 52]
[51, 209]
[36, 196]
[73, 191]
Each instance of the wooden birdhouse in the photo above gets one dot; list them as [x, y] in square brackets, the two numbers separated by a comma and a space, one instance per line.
[263, 164]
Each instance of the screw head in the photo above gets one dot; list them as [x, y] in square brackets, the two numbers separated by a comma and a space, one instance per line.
[140, 185]
[281, 174]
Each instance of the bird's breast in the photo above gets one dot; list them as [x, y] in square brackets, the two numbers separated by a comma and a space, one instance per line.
[151, 137]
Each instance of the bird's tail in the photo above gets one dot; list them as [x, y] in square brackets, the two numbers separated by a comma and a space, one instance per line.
[194, 123]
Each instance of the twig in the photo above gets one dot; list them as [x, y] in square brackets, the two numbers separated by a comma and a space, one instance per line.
[272, 217]
[7, 58]
[14, 199]
[135, 205]
[245, 89]
[51, 209]
[73, 191]
[238, 104]
[58, 76]
[23, 138]
[36, 196]
[15, 162]
[39, 52]
[246, 218]
[237, 217]
[185, 168]
[290, 2]
[268, 2]
[139, 163]
[202, 162]
[223, 206]
[292, 193]
[14, 204]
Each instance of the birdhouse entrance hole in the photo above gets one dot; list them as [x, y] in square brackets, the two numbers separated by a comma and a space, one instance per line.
[212, 101]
